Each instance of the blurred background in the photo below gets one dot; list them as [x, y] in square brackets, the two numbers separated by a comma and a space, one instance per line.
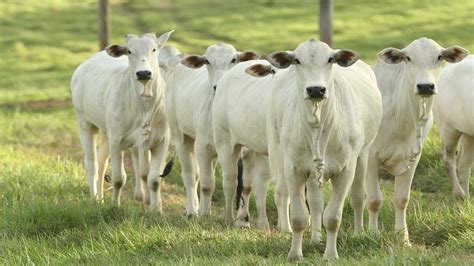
[41, 42]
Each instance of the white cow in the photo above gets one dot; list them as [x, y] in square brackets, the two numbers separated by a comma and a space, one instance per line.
[322, 119]
[239, 120]
[454, 115]
[189, 96]
[124, 98]
[407, 81]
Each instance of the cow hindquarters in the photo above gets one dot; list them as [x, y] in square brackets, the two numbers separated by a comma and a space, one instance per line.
[333, 212]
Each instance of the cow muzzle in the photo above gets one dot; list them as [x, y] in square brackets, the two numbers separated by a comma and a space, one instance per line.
[426, 90]
[316, 93]
[143, 75]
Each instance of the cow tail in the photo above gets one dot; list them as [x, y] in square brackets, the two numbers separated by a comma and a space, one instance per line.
[169, 165]
[240, 184]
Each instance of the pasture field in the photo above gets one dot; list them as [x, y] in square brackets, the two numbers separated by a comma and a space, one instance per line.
[46, 214]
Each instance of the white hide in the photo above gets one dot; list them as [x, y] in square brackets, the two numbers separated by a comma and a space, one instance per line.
[454, 115]
[239, 120]
[189, 96]
[311, 140]
[406, 121]
[108, 97]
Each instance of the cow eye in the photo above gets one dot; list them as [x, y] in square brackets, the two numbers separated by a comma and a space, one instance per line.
[233, 60]
[128, 52]
[297, 61]
[440, 57]
[154, 50]
[330, 60]
[408, 59]
[206, 62]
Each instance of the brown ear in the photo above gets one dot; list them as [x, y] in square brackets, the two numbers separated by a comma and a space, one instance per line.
[259, 70]
[194, 61]
[247, 55]
[345, 57]
[281, 59]
[392, 55]
[454, 54]
[116, 50]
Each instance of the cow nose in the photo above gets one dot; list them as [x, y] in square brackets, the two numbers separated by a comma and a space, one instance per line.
[143, 75]
[316, 92]
[427, 89]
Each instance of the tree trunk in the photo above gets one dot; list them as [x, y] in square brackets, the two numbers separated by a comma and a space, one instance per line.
[325, 21]
[104, 23]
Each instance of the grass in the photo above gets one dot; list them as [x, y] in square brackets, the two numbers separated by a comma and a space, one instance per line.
[46, 215]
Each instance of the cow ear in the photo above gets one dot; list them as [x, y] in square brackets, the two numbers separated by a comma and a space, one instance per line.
[194, 61]
[259, 70]
[281, 59]
[163, 38]
[345, 57]
[392, 55]
[247, 55]
[454, 54]
[170, 63]
[116, 50]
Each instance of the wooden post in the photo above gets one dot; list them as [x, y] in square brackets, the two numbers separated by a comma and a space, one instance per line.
[104, 23]
[325, 21]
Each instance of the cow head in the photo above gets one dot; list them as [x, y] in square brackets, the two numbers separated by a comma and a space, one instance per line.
[218, 59]
[422, 58]
[142, 57]
[313, 61]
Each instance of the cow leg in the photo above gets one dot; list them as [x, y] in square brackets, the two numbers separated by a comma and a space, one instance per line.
[401, 198]
[138, 192]
[450, 139]
[118, 170]
[358, 193]
[88, 136]
[228, 158]
[189, 173]
[205, 158]
[248, 175]
[316, 206]
[158, 156]
[142, 175]
[260, 184]
[333, 212]
[103, 161]
[465, 161]
[374, 194]
[298, 211]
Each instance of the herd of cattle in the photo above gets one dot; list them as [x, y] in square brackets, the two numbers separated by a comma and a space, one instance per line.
[301, 117]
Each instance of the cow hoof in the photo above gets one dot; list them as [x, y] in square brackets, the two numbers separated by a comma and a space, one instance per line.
[315, 237]
[330, 256]
[459, 195]
[295, 256]
[265, 226]
[242, 224]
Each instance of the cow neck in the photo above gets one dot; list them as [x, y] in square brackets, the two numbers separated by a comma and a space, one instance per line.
[421, 111]
[147, 107]
[317, 128]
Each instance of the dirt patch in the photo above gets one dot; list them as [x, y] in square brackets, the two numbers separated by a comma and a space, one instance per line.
[37, 105]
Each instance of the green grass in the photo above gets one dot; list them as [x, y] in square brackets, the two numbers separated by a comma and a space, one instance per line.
[46, 214]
